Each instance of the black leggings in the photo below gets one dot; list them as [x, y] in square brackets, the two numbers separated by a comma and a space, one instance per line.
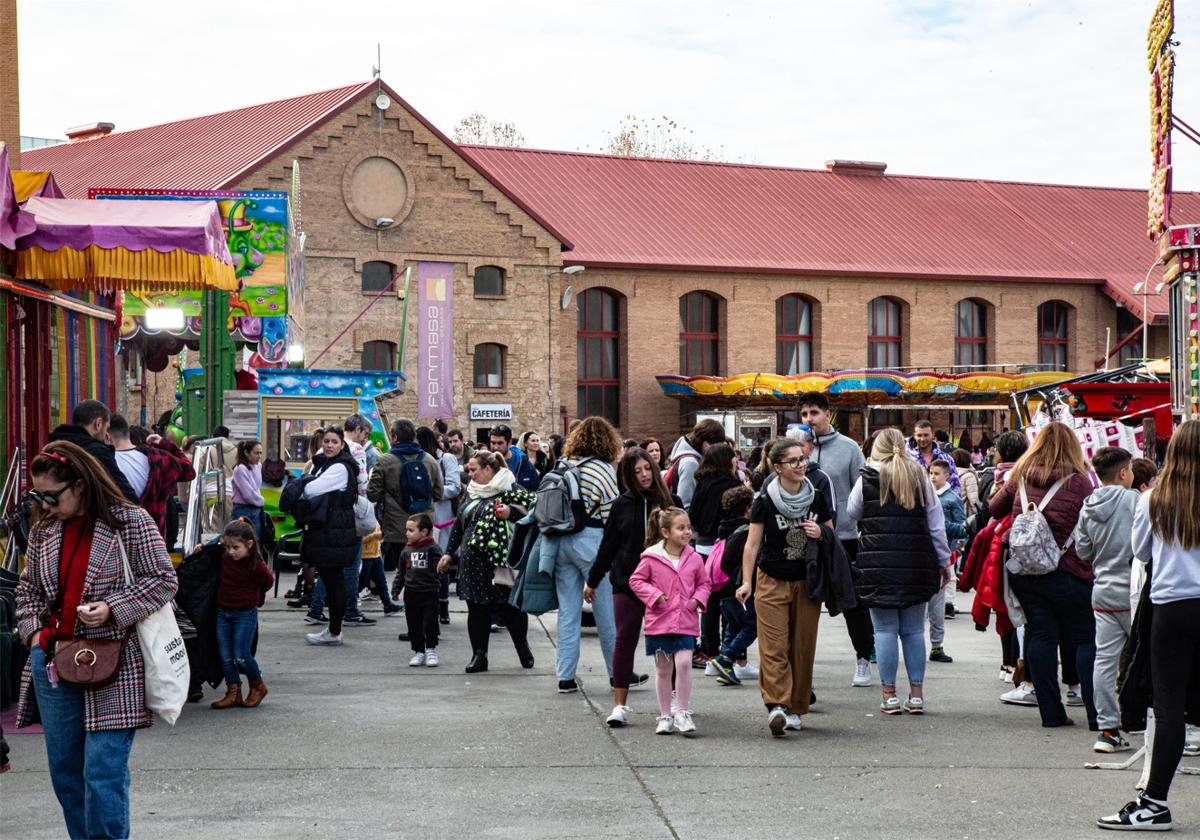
[1174, 659]
[858, 618]
[335, 595]
[479, 624]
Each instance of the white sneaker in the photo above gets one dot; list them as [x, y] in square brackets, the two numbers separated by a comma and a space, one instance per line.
[323, 638]
[749, 671]
[619, 717]
[1022, 695]
[418, 659]
[683, 722]
[1074, 697]
[1191, 740]
[862, 673]
[777, 721]
[431, 660]
[663, 727]
[710, 670]
[793, 723]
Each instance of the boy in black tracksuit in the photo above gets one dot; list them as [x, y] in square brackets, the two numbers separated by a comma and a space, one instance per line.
[417, 574]
[741, 624]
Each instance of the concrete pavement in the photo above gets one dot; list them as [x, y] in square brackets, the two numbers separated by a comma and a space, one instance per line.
[352, 743]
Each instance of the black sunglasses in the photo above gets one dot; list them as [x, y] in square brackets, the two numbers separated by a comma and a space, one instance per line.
[49, 499]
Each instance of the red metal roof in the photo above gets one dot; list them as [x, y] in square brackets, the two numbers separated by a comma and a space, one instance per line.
[671, 214]
[202, 153]
[649, 213]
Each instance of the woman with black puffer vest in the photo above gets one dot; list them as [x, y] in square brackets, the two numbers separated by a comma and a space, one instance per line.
[330, 545]
[903, 560]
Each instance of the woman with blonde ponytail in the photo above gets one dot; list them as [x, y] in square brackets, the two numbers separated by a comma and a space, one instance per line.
[903, 560]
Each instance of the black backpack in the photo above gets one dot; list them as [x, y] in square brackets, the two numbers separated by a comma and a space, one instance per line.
[416, 487]
[293, 503]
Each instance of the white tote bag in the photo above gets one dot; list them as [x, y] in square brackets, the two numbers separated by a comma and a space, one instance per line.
[167, 670]
[364, 517]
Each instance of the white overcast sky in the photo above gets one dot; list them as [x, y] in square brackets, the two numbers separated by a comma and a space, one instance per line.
[1045, 90]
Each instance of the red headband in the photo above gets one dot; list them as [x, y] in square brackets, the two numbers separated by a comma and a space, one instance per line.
[62, 459]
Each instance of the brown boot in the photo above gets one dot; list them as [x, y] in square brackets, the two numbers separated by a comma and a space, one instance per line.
[258, 690]
[233, 697]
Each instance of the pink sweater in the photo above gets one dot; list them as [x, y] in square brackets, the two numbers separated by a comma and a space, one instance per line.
[656, 576]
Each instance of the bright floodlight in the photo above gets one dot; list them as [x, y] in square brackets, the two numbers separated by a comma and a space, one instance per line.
[295, 353]
[164, 318]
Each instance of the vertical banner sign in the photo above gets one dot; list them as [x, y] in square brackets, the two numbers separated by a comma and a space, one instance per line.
[435, 340]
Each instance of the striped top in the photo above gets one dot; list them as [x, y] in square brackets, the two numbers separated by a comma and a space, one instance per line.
[597, 485]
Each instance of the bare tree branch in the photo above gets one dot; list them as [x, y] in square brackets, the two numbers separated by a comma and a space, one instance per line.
[478, 129]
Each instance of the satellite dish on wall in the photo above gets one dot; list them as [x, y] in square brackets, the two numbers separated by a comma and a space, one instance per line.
[567, 296]
[383, 102]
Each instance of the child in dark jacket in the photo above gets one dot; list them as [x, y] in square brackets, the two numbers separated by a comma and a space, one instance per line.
[244, 579]
[419, 578]
[741, 623]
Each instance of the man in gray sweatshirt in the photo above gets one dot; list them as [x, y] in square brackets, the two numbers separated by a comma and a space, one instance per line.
[1103, 535]
[841, 459]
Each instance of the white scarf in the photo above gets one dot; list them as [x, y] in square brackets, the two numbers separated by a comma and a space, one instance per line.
[501, 482]
[792, 506]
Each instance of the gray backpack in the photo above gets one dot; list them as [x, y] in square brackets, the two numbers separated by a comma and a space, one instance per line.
[559, 508]
[1032, 549]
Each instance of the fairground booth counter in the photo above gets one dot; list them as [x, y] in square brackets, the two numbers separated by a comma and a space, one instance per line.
[63, 265]
[757, 406]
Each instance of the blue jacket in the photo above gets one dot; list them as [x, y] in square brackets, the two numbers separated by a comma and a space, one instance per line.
[524, 469]
[955, 515]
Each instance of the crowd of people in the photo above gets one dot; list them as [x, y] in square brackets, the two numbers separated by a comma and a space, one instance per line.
[694, 550]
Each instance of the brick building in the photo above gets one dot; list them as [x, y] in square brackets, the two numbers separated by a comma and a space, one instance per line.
[690, 267]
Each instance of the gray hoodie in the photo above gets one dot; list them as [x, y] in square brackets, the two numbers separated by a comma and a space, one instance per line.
[686, 460]
[1103, 536]
[841, 459]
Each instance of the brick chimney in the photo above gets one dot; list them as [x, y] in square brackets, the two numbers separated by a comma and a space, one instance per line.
[10, 93]
[91, 131]
[856, 167]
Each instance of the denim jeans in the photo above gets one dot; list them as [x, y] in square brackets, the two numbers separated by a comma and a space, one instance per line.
[235, 637]
[89, 770]
[372, 572]
[1058, 608]
[252, 513]
[350, 575]
[896, 628]
[573, 556]
[741, 627]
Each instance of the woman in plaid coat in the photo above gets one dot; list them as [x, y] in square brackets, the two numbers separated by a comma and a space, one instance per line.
[74, 585]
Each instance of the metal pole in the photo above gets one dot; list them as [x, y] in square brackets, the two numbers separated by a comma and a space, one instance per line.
[404, 320]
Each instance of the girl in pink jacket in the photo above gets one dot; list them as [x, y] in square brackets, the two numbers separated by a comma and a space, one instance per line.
[670, 580]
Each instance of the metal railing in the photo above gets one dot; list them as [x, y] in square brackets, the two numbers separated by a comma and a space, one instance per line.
[208, 508]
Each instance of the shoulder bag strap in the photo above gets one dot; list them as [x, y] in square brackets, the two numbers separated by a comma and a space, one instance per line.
[128, 570]
[1054, 488]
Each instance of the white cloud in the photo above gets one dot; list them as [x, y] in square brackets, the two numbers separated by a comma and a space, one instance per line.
[1041, 91]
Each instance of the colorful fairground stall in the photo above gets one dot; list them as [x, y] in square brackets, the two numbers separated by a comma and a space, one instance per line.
[756, 406]
[64, 263]
[261, 318]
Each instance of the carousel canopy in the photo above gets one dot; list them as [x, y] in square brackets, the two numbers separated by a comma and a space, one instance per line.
[138, 246]
[855, 388]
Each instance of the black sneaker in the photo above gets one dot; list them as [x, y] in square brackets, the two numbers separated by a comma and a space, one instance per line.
[296, 603]
[1141, 814]
[319, 618]
[951, 612]
[403, 637]
[567, 686]
[359, 621]
[939, 655]
[635, 680]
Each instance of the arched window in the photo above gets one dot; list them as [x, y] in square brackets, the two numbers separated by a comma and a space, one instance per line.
[699, 335]
[793, 335]
[970, 333]
[597, 355]
[1053, 335]
[378, 355]
[489, 281]
[884, 333]
[376, 276]
[489, 365]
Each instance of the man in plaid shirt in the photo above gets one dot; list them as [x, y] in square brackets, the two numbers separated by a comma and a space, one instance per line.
[153, 470]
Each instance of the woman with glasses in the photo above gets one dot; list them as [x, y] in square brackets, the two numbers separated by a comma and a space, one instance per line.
[787, 514]
[75, 586]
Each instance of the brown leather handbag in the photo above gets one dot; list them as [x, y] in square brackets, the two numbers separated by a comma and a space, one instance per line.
[88, 663]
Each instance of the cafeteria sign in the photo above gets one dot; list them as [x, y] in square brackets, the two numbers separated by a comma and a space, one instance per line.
[490, 411]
